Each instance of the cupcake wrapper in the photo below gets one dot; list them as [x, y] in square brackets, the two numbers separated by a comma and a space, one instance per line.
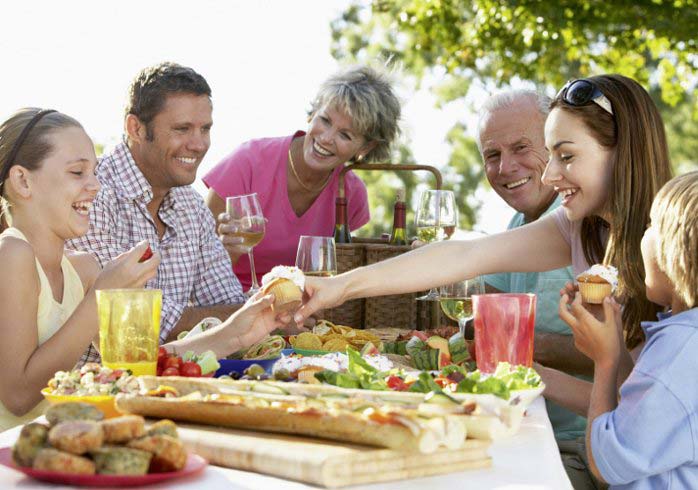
[594, 293]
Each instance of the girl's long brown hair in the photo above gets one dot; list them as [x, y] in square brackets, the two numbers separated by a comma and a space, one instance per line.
[635, 133]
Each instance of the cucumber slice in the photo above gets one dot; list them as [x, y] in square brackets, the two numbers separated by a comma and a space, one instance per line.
[268, 388]
[336, 396]
[440, 399]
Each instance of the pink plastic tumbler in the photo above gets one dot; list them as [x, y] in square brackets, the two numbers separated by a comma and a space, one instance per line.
[503, 329]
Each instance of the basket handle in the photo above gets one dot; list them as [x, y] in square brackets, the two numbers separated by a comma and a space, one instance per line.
[388, 166]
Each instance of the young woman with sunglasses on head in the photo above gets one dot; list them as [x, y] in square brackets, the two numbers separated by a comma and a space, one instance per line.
[608, 158]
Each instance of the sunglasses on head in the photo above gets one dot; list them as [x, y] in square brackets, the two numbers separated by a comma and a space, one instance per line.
[581, 92]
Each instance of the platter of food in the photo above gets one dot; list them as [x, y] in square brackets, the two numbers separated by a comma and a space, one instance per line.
[79, 446]
[92, 384]
[194, 465]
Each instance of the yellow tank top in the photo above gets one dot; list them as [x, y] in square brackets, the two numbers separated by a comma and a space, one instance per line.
[50, 316]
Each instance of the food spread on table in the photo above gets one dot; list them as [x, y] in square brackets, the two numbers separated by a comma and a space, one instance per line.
[413, 391]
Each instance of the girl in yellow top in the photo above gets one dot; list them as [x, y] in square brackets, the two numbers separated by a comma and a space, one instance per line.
[47, 302]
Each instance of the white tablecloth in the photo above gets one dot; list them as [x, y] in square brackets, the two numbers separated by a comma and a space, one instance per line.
[527, 461]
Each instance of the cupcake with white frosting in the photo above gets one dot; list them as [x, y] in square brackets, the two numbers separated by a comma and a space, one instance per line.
[597, 282]
[286, 284]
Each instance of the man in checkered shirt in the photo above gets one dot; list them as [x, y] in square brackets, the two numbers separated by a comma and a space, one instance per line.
[146, 195]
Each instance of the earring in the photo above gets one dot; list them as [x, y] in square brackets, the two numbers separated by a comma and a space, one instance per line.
[360, 158]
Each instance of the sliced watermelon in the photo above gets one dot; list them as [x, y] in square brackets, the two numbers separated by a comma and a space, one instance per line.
[458, 349]
[369, 350]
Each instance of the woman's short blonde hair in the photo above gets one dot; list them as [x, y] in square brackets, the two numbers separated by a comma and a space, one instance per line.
[675, 215]
[368, 97]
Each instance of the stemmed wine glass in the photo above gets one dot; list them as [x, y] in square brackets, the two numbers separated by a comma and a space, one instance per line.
[246, 214]
[436, 220]
[316, 256]
[456, 301]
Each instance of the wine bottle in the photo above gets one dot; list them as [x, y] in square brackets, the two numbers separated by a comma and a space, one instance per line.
[399, 233]
[341, 228]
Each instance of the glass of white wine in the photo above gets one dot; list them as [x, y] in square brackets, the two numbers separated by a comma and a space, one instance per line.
[317, 256]
[436, 219]
[456, 299]
[246, 214]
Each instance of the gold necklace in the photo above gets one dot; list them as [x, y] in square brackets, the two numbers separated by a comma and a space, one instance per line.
[298, 179]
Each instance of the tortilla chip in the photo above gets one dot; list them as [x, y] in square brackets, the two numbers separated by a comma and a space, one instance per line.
[335, 345]
[308, 341]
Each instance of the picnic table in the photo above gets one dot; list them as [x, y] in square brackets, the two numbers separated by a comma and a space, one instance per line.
[527, 460]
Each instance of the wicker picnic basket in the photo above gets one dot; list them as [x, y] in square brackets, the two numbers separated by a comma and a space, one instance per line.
[400, 311]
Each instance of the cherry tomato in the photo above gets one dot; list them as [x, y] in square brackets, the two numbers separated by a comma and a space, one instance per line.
[146, 255]
[173, 361]
[190, 369]
[170, 371]
[396, 383]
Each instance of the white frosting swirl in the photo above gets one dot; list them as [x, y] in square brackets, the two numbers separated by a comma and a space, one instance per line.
[607, 272]
[285, 272]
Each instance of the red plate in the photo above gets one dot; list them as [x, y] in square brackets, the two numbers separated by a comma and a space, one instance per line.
[195, 464]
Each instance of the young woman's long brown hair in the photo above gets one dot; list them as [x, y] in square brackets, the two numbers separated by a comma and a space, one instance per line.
[635, 133]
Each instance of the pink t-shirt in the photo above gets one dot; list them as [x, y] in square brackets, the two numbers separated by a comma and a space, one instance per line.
[260, 166]
[572, 233]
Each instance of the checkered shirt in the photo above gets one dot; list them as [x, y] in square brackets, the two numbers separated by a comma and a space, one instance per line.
[195, 269]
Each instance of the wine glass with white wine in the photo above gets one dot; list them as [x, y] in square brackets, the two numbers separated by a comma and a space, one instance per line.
[436, 220]
[246, 214]
[317, 256]
[456, 300]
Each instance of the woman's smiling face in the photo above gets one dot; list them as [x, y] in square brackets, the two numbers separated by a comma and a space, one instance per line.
[332, 139]
[579, 168]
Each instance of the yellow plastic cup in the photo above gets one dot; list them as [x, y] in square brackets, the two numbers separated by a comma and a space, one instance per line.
[129, 329]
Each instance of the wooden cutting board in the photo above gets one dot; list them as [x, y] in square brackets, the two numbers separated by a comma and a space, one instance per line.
[325, 463]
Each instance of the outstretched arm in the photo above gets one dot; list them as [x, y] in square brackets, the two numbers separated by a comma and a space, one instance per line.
[538, 246]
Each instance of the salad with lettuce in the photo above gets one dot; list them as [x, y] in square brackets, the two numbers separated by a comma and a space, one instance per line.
[451, 379]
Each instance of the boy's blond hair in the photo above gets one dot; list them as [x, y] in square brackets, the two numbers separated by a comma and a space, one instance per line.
[675, 215]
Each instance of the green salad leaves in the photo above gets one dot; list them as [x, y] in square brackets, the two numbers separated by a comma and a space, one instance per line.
[505, 379]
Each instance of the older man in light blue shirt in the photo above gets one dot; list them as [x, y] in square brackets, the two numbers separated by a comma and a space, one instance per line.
[511, 142]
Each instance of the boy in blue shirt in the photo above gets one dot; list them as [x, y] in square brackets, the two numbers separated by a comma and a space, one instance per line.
[649, 438]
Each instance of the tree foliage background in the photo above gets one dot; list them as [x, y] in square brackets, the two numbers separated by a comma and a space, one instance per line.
[496, 42]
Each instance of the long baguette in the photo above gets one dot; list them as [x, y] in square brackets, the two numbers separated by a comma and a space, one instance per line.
[397, 431]
[493, 421]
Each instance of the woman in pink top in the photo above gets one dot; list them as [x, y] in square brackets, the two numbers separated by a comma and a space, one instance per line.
[607, 159]
[354, 117]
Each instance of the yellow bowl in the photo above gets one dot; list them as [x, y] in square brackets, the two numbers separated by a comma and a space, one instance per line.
[104, 402]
